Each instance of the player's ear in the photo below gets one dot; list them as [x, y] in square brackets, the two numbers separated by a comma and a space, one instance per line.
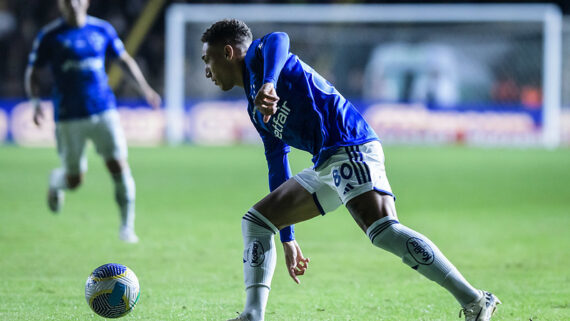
[229, 52]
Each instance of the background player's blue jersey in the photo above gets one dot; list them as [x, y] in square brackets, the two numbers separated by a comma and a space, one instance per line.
[311, 115]
[76, 57]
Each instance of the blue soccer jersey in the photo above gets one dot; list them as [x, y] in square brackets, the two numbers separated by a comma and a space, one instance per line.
[76, 56]
[311, 115]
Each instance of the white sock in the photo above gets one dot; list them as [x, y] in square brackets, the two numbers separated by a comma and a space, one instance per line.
[422, 255]
[58, 179]
[259, 259]
[125, 196]
[255, 302]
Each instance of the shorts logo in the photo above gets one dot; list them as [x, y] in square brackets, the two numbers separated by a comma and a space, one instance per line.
[254, 254]
[420, 251]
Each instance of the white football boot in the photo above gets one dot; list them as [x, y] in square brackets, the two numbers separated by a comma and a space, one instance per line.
[128, 235]
[482, 309]
[55, 199]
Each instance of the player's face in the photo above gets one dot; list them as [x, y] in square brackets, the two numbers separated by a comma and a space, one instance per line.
[218, 67]
[72, 9]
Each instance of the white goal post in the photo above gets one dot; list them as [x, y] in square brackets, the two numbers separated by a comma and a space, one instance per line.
[178, 15]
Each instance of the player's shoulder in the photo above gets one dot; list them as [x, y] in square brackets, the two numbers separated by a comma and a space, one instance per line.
[100, 23]
[51, 27]
[275, 36]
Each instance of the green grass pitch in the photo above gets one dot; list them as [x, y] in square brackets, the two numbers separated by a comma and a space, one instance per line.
[501, 216]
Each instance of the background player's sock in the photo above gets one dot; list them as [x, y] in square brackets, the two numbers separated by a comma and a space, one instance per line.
[125, 197]
[422, 255]
[57, 179]
[259, 259]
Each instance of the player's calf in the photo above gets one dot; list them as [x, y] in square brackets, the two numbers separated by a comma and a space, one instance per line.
[125, 191]
[259, 259]
[57, 184]
[422, 255]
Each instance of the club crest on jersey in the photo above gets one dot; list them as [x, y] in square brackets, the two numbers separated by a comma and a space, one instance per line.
[254, 254]
[420, 251]
[279, 119]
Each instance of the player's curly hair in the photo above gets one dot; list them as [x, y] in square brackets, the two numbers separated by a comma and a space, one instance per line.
[227, 31]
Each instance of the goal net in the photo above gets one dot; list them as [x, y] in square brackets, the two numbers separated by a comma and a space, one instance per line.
[423, 73]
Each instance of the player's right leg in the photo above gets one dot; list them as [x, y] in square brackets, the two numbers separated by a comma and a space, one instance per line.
[70, 140]
[289, 204]
[111, 144]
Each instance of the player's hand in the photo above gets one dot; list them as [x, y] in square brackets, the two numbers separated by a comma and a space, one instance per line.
[152, 98]
[296, 263]
[38, 115]
[266, 101]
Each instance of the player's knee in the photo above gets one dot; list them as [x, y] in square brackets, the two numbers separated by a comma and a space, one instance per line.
[73, 181]
[384, 233]
[116, 166]
[254, 223]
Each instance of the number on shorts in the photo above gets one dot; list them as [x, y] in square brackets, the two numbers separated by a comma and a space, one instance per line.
[336, 177]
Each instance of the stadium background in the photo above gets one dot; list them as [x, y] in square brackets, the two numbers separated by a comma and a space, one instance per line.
[513, 84]
[500, 214]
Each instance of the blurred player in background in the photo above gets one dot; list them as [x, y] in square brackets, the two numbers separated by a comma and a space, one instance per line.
[75, 47]
[292, 105]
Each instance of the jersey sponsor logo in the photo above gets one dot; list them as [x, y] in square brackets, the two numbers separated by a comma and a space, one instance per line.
[84, 64]
[279, 119]
[420, 251]
[254, 254]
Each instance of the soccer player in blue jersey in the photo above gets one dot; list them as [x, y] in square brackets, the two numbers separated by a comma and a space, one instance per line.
[75, 47]
[292, 105]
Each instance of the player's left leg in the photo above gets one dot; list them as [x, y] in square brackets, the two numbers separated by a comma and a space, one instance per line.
[110, 143]
[373, 208]
[375, 214]
[124, 196]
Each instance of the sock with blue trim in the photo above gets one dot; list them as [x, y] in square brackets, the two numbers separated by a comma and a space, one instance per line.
[259, 259]
[422, 255]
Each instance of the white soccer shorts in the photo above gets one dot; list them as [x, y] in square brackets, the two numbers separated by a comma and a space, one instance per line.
[103, 129]
[351, 171]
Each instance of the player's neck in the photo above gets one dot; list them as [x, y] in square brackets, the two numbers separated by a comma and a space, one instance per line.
[240, 73]
[77, 21]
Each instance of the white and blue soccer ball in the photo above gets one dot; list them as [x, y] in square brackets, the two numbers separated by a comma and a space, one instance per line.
[112, 290]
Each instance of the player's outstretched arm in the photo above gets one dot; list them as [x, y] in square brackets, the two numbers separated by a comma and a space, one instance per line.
[132, 68]
[32, 87]
[296, 263]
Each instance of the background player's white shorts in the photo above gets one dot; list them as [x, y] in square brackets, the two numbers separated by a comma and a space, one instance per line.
[351, 171]
[103, 129]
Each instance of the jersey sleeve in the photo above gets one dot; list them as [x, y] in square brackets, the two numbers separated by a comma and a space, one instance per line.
[39, 55]
[115, 46]
[274, 51]
[276, 152]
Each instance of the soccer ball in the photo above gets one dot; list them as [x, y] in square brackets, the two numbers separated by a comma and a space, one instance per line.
[112, 290]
